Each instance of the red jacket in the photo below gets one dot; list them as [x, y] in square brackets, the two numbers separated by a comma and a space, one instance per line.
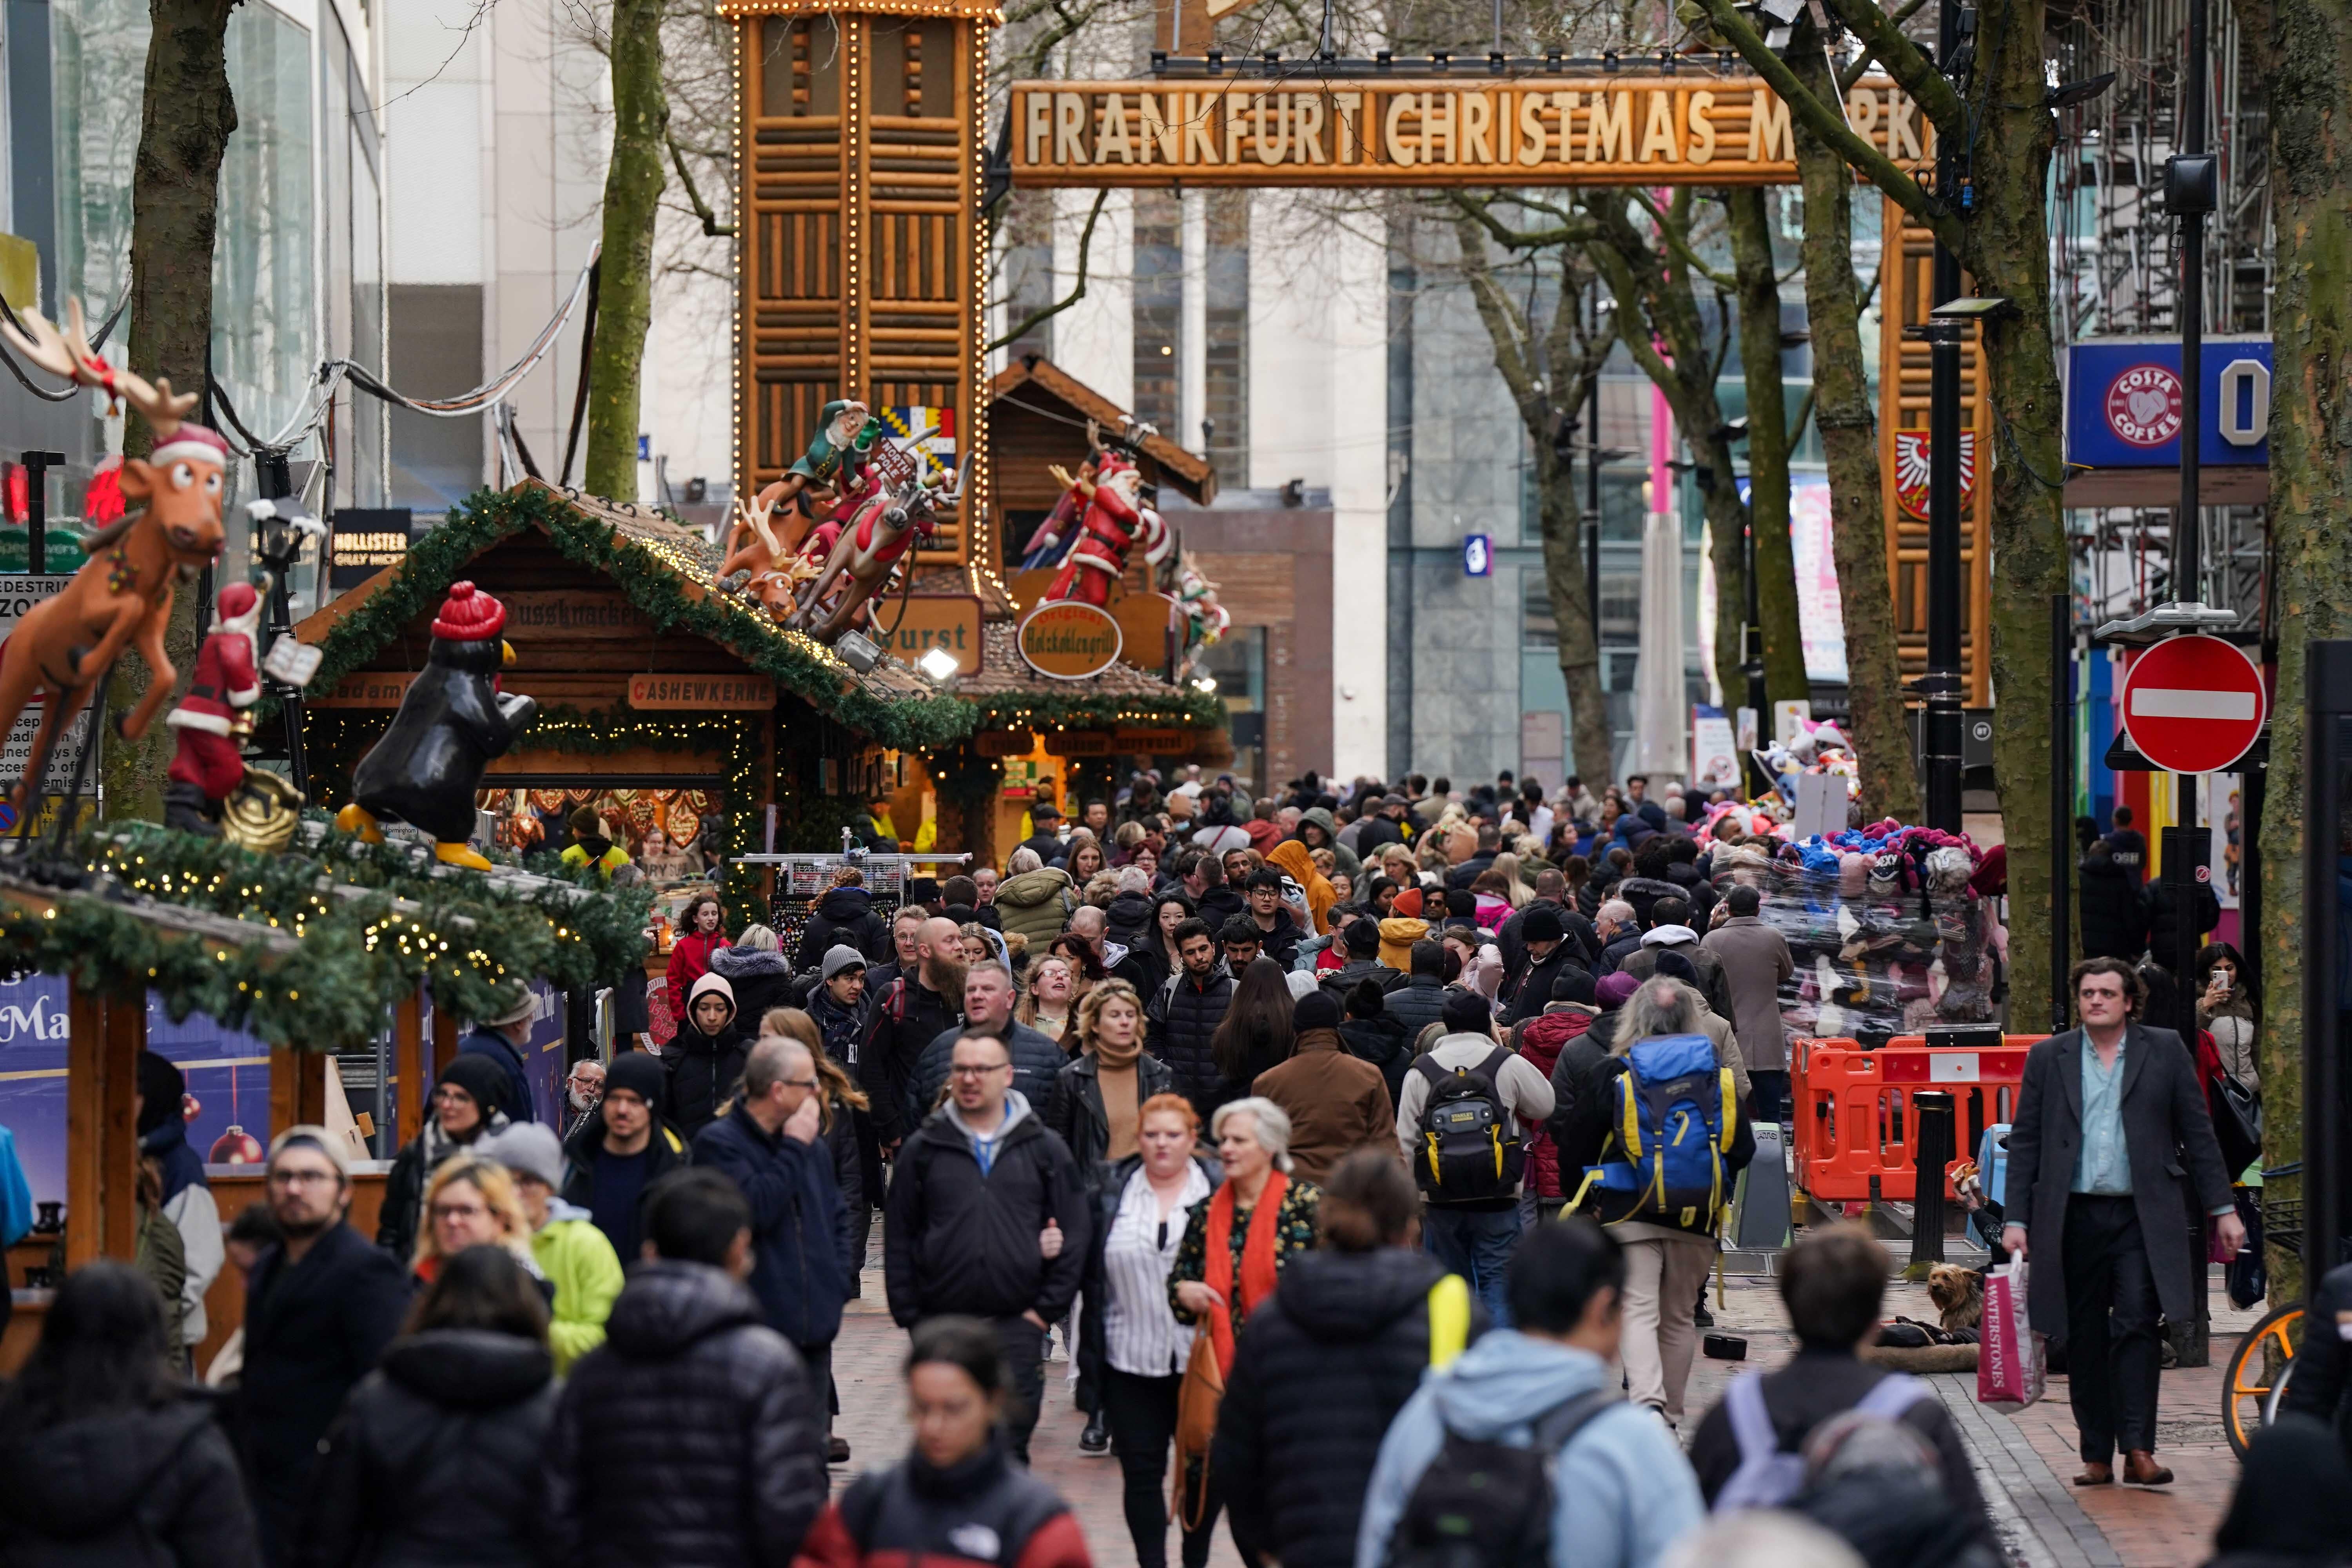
[689, 961]
[983, 1513]
[1541, 1040]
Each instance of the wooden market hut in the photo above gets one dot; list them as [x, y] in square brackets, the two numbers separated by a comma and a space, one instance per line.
[652, 682]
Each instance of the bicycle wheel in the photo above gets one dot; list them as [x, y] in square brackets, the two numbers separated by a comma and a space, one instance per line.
[2256, 1376]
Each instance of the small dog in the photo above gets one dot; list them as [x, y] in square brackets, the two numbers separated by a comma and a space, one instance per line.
[1958, 1295]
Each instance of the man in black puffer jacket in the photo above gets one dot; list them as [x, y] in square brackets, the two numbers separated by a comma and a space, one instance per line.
[2115, 906]
[976, 1187]
[1421, 1000]
[1185, 1012]
[907, 1014]
[692, 1435]
[1322, 1368]
[845, 913]
[758, 975]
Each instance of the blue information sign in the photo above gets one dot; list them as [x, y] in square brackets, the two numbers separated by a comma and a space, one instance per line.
[1478, 555]
[2123, 405]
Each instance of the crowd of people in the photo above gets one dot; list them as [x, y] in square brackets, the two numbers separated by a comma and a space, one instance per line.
[1367, 1150]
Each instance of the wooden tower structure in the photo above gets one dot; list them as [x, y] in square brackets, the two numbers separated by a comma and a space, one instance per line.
[862, 251]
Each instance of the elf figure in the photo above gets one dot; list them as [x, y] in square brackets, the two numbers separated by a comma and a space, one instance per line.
[207, 766]
[452, 721]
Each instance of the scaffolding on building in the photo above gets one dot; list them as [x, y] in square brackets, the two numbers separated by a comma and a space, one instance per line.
[2115, 263]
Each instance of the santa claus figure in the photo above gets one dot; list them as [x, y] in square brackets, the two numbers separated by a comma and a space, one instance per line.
[1115, 522]
[208, 765]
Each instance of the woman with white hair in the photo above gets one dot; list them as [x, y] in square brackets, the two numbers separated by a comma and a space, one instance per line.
[1234, 1249]
[1236, 1244]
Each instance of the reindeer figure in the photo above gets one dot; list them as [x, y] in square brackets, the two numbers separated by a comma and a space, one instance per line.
[121, 597]
[753, 547]
[871, 542]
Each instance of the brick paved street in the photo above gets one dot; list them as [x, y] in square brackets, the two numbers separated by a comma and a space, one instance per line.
[2024, 1462]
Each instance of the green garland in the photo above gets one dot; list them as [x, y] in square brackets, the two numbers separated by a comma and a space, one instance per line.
[335, 738]
[651, 583]
[471, 942]
[1182, 706]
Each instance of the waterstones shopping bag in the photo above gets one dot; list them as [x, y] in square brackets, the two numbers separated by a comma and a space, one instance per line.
[2009, 1363]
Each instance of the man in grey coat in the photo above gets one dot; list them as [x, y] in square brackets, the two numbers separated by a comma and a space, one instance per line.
[1755, 963]
[2111, 1156]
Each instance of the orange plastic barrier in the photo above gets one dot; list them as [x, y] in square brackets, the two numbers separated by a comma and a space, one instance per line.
[1855, 1116]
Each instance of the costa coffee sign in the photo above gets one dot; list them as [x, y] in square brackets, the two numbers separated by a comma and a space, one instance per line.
[2143, 405]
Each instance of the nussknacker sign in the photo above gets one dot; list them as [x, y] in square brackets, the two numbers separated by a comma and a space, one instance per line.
[1690, 127]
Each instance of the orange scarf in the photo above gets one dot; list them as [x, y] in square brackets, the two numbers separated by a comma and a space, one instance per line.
[1258, 1259]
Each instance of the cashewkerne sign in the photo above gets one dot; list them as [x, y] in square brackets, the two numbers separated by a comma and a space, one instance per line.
[1689, 128]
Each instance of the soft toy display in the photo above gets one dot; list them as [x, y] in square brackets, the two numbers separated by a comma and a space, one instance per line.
[121, 597]
[452, 722]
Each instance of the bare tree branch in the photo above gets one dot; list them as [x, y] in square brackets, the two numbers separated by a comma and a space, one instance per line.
[710, 224]
[1903, 59]
[1830, 125]
[1079, 292]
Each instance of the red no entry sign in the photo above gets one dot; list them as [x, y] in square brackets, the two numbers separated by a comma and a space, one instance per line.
[2193, 705]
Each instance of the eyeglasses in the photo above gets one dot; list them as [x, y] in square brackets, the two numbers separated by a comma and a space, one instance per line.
[458, 1211]
[301, 1178]
[961, 1070]
[798, 1082]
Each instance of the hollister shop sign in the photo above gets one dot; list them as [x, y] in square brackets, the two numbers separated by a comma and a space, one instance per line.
[1069, 641]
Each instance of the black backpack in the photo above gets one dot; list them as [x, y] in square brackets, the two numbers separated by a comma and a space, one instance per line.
[1468, 1150]
[1484, 1504]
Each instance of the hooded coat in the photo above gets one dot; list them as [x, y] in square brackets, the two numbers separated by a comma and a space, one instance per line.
[844, 915]
[1127, 919]
[703, 1067]
[435, 1458]
[1319, 1371]
[1036, 903]
[1343, 859]
[1622, 1490]
[157, 1485]
[399, 1218]
[761, 979]
[690, 1436]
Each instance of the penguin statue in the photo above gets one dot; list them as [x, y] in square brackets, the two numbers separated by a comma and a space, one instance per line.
[452, 722]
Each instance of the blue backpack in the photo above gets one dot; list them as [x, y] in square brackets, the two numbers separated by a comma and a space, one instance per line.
[1673, 1113]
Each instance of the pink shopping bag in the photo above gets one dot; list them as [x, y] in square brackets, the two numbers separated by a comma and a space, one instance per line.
[2010, 1361]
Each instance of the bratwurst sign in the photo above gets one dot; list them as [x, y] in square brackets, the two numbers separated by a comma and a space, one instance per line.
[1685, 129]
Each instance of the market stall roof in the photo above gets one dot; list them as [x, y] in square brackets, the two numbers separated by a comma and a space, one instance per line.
[308, 948]
[1043, 379]
[667, 571]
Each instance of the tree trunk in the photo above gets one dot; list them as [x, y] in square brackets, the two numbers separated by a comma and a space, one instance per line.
[1726, 544]
[633, 188]
[2008, 251]
[2310, 84]
[187, 116]
[1565, 368]
[1848, 422]
[1767, 449]
[1591, 741]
